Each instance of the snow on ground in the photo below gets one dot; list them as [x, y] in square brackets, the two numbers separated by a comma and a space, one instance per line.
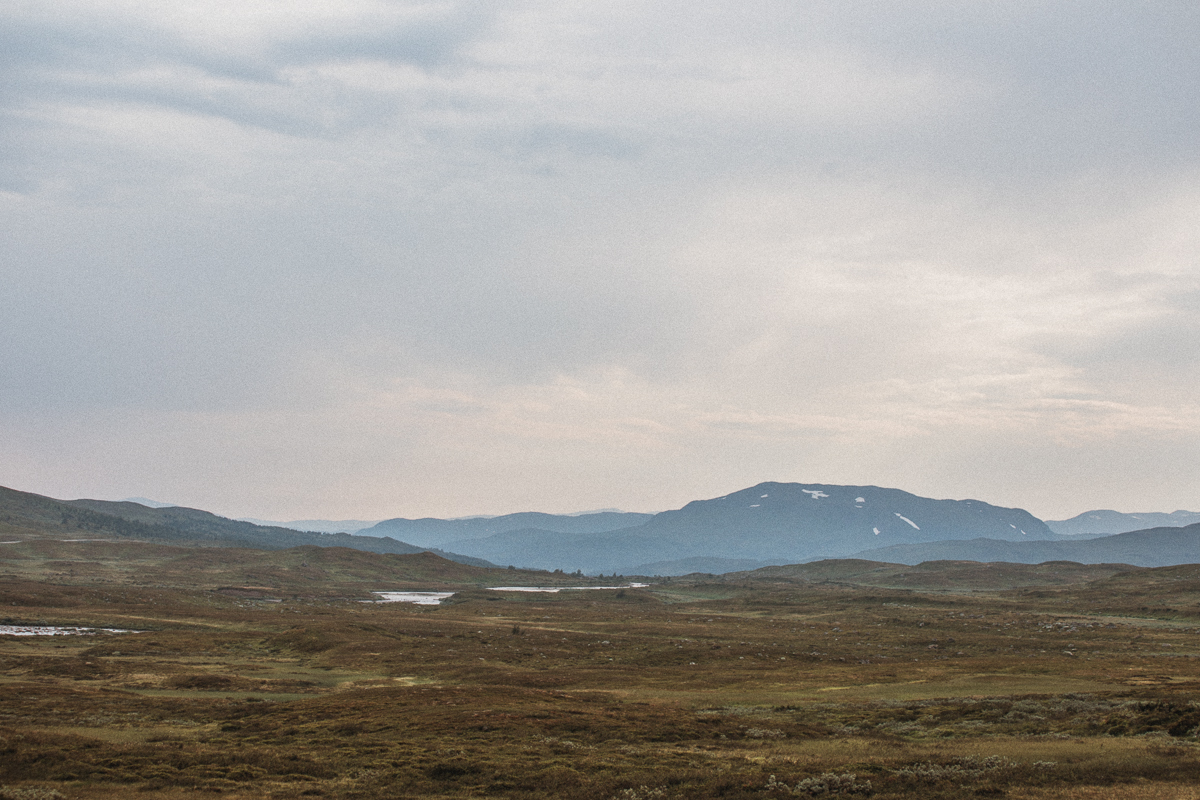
[906, 519]
[876, 531]
[817, 494]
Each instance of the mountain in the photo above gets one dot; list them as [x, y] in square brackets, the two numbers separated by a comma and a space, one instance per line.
[24, 515]
[441, 532]
[1105, 521]
[1156, 547]
[697, 564]
[313, 525]
[773, 523]
[148, 503]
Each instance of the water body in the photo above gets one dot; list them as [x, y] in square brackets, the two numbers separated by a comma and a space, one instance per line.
[433, 598]
[420, 598]
[553, 589]
[54, 630]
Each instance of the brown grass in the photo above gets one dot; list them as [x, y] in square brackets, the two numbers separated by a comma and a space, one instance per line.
[693, 689]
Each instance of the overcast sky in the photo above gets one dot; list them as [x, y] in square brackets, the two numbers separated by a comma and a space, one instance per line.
[373, 259]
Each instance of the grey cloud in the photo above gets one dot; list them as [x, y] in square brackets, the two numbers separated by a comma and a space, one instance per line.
[97, 60]
[431, 41]
[811, 219]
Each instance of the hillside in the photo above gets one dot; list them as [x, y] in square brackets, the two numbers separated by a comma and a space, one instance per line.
[309, 570]
[24, 515]
[1157, 547]
[955, 576]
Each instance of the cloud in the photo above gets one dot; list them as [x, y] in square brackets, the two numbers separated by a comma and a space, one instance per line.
[693, 246]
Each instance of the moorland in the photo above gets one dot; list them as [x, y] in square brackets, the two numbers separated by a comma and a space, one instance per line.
[264, 674]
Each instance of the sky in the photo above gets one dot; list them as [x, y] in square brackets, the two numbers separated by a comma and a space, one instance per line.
[375, 258]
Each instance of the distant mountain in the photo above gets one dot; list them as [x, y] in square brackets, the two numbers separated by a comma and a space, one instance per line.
[148, 503]
[1104, 521]
[701, 564]
[441, 532]
[1156, 547]
[772, 523]
[24, 515]
[314, 525]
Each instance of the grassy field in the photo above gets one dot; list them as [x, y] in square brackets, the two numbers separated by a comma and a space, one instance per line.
[263, 675]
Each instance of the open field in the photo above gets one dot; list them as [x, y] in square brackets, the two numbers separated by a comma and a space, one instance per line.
[263, 676]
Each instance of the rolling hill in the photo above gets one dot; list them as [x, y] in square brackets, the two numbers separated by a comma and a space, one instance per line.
[1156, 547]
[24, 515]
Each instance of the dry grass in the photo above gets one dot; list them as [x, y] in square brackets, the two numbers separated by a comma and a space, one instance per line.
[688, 690]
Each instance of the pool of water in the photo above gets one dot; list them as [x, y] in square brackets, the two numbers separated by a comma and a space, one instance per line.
[433, 598]
[420, 598]
[55, 630]
[562, 588]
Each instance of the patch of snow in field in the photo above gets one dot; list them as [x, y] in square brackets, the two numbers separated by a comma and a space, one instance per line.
[817, 494]
[906, 519]
[1014, 527]
[765, 495]
[876, 531]
[860, 499]
[754, 506]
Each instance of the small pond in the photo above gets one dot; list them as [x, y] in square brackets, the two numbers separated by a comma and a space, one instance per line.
[54, 630]
[433, 598]
[420, 598]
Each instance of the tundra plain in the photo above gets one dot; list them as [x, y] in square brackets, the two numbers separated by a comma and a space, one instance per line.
[263, 674]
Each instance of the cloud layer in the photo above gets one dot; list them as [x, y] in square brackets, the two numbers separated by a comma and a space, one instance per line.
[389, 258]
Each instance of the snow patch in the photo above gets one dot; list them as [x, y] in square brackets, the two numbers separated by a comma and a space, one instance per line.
[860, 499]
[755, 505]
[906, 519]
[817, 494]
[765, 495]
[876, 531]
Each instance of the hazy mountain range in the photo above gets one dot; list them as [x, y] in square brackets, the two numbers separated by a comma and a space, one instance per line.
[768, 524]
[25, 515]
[1115, 522]
[1156, 547]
